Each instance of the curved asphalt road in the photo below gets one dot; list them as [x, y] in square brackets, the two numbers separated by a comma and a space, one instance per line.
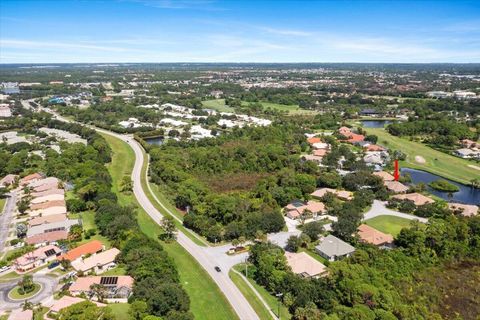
[379, 209]
[48, 287]
[204, 258]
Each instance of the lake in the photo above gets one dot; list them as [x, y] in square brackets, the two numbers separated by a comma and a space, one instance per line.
[375, 123]
[156, 141]
[466, 194]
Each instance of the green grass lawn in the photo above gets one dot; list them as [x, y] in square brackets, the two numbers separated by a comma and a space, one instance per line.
[271, 300]
[117, 271]
[255, 302]
[388, 224]
[120, 310]
[436, 162]
[206, 299]
[14, 294]
[219, 105]
[88, 221]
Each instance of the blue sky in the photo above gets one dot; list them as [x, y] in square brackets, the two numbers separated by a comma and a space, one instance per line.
[239, 31]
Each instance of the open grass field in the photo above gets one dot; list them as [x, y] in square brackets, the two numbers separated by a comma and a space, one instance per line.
[219, 105]
[120, 310]
[388, 224]
[271, 300]
[255, 302]
[206, 300]
[88, 221]
[436, 162]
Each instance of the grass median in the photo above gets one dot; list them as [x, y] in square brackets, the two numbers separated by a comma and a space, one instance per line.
[206, 299]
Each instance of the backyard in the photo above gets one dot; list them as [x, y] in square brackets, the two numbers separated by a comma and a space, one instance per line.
[219, 105]
[388, 224]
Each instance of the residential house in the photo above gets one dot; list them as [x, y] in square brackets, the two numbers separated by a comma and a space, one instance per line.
[395, 186]
[371, 235]
[46, 219]
[305, 265]
[417, 198]
[341, 194]
[313, 140]
[8, 180]
[384, 175]
[48, 192]
[467, 210]
[332, 248]
[313, 158]
[466, 143]
[67, 301]
[297, 208]
[97, 263]
[467, 153]
[48, 237]
[373, 147]
[83, 250]
[320, 152]
[30, 178]
[47, 198]
[119, 288]
[64, 225]
[48, 208]
[36, 258]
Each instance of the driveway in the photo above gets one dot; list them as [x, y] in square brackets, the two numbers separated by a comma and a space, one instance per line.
[6, 218]
[46, 293]
[379, 209]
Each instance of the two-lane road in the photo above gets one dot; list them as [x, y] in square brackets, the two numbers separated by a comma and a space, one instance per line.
[207, 258]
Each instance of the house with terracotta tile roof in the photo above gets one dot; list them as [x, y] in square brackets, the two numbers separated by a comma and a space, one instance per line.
[47, 198]
[345, 131]
[47, 219]
[67, 301]
[48, 208]
[417, 198]
[48, 192]
[395, 186]
[297, 208]
[8, 180]
[85, 249]
[304, 265]
[46, 186]
[47, 237]
[384, 175]
[46, 181]
[320, 152]
[118, 287]
[321, 146]
[371, 235]
[36, 258]
[341, 194]
[373, 147]
[97, 263]
[30, 178]
[313, 140]
[466, 210]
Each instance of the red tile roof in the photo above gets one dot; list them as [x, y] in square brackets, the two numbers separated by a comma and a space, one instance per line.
[47, 237]
[87, 248]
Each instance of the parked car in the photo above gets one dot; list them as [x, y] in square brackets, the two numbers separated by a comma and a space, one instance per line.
[217, 268]
[4, 268]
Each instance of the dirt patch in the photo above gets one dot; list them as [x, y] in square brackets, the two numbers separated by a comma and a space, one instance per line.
[474, 166]
[420, 159]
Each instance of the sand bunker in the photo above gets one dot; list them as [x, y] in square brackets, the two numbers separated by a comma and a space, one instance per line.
[420, 159]
[474, 166]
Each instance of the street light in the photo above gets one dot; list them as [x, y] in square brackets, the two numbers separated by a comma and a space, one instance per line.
[279, 295]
